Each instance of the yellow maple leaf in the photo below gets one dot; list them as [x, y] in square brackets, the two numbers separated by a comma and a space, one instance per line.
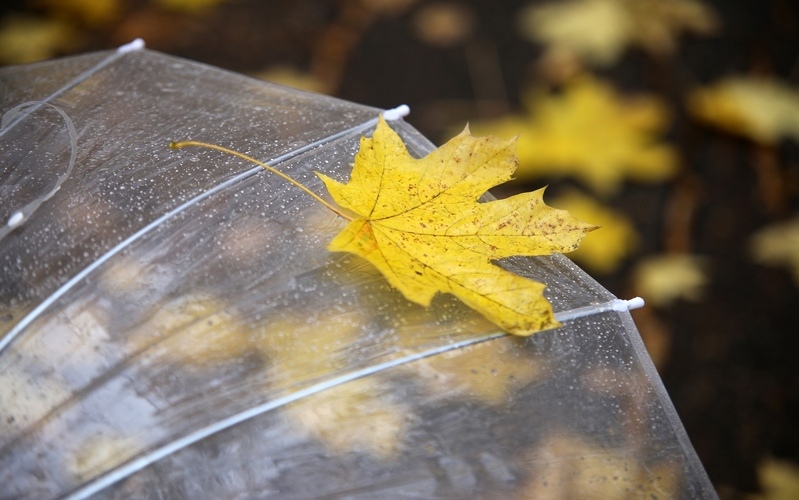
[591, 132]
[599, 31]
[763, 109]
[418, 221]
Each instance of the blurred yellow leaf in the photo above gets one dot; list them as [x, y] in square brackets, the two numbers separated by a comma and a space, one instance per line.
[663, 279]
[488, 371]
[101, 452]
[569, 466]
[359, 416]
[25, 39]
[91, 12]
[591, 132]
[605, 249]
[292, 77]
[779, 479]
[194, 330]
[444, 24]
[762, 109]
[27, 399]
[778, 245]
[598, 31]
[302, 346]
[190, 6]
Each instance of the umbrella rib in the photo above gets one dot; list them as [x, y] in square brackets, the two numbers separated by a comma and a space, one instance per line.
[131, 467]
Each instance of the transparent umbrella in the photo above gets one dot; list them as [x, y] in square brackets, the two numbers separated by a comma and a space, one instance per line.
[171, 324]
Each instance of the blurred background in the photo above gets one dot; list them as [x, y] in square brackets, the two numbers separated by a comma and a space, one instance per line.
[672, 123]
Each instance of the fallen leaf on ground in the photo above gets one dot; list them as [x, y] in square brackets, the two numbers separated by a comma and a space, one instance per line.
[91, 12]
[663, 279]
[190, 6]
[778, 245]
[295, 78]
[605, 250]
[444, 24]
[762, 109]
[591, 132]
[779, 479]
[599, 31]
[419, 222]
[488, 372]
[566, 465]
[193, 330]
[101, 452]
[25, 39]
[359, 416]
[299, 349]
[28, 399]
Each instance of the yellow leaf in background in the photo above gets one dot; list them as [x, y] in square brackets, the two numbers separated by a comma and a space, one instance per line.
[190, 6]
[570, 466]
[25, 39]
[779, 479]
[590, 132]
[27, 399]
[194, 330]
[663, 279]
[359, 416]
[444, 24]
[419, 222]
[488, 372]
[778, 245]
[603, 251]
[302, 347]
[599, 31]
[292, 77]
[762, 109]
[101, 452]
[91, 12]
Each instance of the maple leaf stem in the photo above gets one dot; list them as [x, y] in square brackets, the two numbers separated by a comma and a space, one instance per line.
[329, 206]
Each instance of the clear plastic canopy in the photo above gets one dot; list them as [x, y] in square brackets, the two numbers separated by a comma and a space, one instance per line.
[171, 324]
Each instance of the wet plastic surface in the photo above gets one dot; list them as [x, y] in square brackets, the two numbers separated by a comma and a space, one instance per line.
[172, 325]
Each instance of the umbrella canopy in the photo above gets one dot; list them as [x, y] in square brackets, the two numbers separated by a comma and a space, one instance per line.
[172, 325]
